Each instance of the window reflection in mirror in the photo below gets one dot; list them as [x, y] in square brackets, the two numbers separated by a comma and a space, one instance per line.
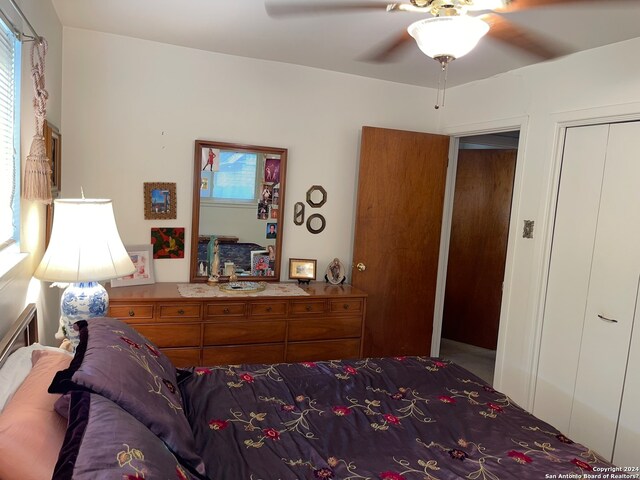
[239, 203]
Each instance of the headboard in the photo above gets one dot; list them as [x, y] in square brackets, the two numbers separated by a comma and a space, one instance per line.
[23, 332]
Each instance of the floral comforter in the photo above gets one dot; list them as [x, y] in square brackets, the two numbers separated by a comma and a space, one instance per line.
[389, 419]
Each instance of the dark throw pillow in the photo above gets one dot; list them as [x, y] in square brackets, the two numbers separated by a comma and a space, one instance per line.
[115, 361]
[105, 442]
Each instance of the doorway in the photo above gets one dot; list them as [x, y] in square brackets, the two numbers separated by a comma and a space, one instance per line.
[480, 217]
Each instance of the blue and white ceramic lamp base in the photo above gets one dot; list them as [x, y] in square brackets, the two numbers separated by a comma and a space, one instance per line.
[81, 301]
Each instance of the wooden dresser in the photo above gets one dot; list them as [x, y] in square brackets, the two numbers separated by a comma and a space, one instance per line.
[326, 324]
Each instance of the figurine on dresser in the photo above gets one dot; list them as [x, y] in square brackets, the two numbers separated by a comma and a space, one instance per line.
[214, 274]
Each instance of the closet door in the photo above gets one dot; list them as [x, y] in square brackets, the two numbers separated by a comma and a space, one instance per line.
[627, 447]
[592, 293]
[611, 302]
[568, 285]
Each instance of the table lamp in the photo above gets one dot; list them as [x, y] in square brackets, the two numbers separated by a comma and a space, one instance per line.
[84, 249]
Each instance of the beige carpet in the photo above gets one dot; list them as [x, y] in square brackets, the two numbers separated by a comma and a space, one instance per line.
[479, 361]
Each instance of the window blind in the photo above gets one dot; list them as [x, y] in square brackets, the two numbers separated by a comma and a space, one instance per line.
[9, 161]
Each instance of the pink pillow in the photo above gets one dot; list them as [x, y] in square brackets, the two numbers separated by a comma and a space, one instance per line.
[31, 431]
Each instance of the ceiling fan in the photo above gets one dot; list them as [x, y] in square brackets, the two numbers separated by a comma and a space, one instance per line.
[452, 28]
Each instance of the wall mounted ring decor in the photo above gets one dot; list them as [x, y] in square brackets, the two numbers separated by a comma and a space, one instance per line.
[298, 213]
[312, 220]
[316, 196]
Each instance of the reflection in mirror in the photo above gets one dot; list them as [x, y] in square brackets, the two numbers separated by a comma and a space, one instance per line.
[238, 199]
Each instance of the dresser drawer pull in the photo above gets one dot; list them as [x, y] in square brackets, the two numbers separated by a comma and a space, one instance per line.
[132, 313]
[346, 306]
[308, 308]
[181, 312]
[269, 309]
[610, 320]
[226, 310]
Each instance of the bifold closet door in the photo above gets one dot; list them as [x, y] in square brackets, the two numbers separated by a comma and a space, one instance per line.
[613, 290]
[574, 232]
[593, 285]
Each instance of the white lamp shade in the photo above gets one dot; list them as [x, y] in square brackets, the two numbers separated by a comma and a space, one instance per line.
[453, 36]
[84, 245]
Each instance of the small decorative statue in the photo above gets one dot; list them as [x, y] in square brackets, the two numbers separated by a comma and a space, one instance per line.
[214, 274]
[335, 272]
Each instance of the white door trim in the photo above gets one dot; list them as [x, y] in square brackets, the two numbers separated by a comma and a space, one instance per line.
[519, 123]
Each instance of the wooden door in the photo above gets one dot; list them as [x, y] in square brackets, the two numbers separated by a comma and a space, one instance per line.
[478, 246]
[397, 237]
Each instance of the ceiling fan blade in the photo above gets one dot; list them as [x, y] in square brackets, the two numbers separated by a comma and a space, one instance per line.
[390, 49]
[518, 37]
[304, 8]
[515, 5]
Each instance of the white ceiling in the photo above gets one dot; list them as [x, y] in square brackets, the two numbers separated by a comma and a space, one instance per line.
[339, 41]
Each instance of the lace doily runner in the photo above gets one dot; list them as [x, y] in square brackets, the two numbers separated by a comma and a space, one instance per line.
[272, 290]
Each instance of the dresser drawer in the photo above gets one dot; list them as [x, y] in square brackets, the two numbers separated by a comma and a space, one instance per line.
[244, 332]
[268, 309]
[325, 328]
[175, 335]
[183, 357]
[213, 310]
[352, 305]
[133, 312]
[174, 311]
[307, 307]
[237, 354]
[323, 350]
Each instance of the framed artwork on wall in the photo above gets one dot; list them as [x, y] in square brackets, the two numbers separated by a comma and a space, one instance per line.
[168, 242]
[142, 258]
[53, 146]
[160, 201]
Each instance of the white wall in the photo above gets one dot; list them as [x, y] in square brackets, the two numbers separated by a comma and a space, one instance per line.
[587, 85]
[15, 288]
[133, 109]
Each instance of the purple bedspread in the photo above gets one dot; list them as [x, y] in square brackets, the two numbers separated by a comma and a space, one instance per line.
[394, 418]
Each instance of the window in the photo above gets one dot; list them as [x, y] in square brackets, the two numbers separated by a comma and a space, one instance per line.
[9, 137]
[235, 179]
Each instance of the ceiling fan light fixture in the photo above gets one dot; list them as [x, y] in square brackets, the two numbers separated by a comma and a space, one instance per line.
[453, 36]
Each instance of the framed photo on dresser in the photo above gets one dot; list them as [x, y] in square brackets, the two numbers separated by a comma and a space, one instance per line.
[142, 258]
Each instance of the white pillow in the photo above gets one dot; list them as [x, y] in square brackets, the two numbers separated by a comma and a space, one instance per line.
[16, 369]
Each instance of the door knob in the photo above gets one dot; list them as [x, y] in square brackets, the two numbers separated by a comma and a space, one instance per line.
[361, 267]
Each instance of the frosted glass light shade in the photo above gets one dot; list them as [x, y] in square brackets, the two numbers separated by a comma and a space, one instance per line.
[84, 245]
[448, 36]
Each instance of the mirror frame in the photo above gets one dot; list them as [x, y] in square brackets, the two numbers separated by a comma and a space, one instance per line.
[195, 213]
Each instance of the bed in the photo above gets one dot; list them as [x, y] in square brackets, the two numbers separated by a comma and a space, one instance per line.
[130, 414]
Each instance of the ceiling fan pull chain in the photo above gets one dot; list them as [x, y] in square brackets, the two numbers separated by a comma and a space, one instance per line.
[444, 63]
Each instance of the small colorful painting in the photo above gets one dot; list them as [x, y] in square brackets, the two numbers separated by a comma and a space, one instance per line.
[168, 242]
[159, 200]
[272, 170]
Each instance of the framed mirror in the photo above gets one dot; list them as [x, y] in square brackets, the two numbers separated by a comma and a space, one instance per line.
[238, 199]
